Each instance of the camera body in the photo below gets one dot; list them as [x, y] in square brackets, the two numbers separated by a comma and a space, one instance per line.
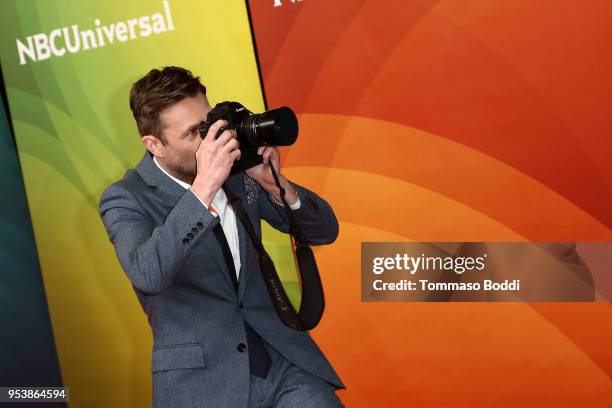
[276, 127]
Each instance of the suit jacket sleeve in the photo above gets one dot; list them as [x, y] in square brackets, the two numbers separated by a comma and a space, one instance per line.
[152, 254]
[315, 216]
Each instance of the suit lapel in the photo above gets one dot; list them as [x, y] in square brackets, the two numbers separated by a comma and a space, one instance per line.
[171, 192]
[165, 188]
[214, 248]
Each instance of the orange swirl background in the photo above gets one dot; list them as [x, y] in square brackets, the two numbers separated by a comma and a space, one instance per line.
[451, 121]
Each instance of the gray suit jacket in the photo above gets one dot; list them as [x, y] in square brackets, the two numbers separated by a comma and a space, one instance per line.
[164, 241]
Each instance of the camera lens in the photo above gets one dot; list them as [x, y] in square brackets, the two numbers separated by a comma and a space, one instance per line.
[276, 127]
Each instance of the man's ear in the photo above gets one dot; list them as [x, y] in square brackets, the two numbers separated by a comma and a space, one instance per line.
[153, 145]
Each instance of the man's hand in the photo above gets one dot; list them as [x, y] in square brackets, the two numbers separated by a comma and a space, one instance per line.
[262, 175]
[215, 158]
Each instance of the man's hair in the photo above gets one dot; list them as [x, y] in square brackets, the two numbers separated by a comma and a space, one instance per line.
[158, 90]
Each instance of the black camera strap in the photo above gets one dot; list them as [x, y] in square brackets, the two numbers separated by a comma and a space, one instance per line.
[313, 301]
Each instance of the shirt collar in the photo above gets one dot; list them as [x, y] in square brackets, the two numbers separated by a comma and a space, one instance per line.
[180, 182]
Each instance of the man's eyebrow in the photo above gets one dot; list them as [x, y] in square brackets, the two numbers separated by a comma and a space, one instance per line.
[189, 128]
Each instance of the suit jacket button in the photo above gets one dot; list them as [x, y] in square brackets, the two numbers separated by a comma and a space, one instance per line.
[185, 241]
[199, 225]
[241, 347]
[240, 305]
[190, 236]
[195, 230]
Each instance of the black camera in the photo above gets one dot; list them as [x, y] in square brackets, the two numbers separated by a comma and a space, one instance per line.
[276, 127]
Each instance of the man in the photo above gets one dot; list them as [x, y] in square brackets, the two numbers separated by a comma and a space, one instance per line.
[217, 339]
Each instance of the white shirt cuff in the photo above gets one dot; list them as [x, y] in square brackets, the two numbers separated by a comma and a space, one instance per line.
[204, 204]
[293, 206]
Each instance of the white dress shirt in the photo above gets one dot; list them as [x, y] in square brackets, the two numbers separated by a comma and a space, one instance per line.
[226, 215]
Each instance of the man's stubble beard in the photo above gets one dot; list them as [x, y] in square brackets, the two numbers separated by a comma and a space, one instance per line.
[181, 168]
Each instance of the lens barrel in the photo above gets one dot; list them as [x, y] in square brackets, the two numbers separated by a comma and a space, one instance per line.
[276, 127]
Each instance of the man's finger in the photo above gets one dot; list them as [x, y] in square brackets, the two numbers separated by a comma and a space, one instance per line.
[275, 159]
[214, 129]
[225, 137]
[270, 154]
[266, 156]
[231, 145]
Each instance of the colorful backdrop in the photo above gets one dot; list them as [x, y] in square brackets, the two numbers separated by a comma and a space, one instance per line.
[452, 121]
[420, 121]
[26, 339]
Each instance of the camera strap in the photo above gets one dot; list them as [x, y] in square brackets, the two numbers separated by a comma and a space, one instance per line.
[313, 302]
